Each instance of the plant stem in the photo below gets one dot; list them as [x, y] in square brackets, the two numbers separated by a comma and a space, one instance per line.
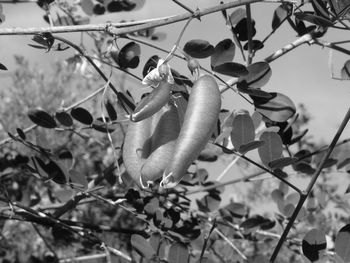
[231, 244]
[312, 182]
[206, 238]
[250, 34]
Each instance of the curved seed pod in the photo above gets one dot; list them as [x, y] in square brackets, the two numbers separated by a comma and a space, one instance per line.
[166, 130]
[152, 103]
[200, 120]
[137, 147]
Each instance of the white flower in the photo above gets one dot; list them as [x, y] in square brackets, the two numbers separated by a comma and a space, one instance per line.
[161, 73]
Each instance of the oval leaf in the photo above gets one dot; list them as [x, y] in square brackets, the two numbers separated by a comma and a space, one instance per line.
[243, 130]
[87, 6]
[236, 16]
[231, 69]
[317, 20]
[244, 148]
[282, 162]
[112, 113]
[272, 147]
[142, 246]
[64, 118]
[82, 115]
[279, 108]
[199, 48]
[342, 242]
[313, 244]
[178, 253]
[224, 51]
[280, 14]
[258, 75]
[129, 56]
[42, 118]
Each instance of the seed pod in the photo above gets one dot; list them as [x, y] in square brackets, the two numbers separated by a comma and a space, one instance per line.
[137, 147]
[200, 120]
[152, 103]
[166, 130]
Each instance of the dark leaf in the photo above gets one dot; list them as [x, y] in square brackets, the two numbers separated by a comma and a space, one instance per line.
[314, 19]
[256, 45]
[126, 102]
[279, 108]
[142, 246]
[282, 162]
[238, 210]
[101, 126]
[345, 71]
[178, 253]
[99, 9]
[244, 148]
[2, 67]
[115, 6]
[112, 113]
[241, 29]
[44, 39]
[21, 134]
[314, 243]
[199, 48]
[64, 118]
[150, 64]
[303, 167]
[224, 52]
[244, 88]
[42, 118]
[82, 115]
[271, 149]
[231, 69]
[254, 221]
[129, 56]
[56, 172]
[258, 75]
[342, 242]
[320, 8]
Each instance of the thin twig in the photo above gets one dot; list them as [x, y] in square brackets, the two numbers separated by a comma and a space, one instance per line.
[83, 258]
[307, 192]
[231, 244]
[206, 238]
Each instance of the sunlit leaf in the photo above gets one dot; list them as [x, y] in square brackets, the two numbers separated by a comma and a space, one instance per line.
[243, 130]
[280, 14]
[237, 15]
[231, 69]
[279, 108]
[224, 52]
[272, 147]
[42, 118]
[199, 48]
[314, 243]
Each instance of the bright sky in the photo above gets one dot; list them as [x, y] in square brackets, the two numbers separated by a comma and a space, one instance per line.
[303, 74]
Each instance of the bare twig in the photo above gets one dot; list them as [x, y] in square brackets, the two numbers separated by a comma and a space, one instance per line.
[206, 238]
[307, 192]
[231, 244]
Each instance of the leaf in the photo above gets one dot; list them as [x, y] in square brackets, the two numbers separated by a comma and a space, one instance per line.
[87, 6]
[241, 29]
[78, 179]
[256, 45]
[104, 127]
[279, 108]
[238, 210]
[2, 67]
[280, 14]
[63, 195]
[99, 9]
[314, 19]
[254, 221]
[244, 88]
[271, 149]
[82, 115]
[303, 167]
[345, 71]
[258, 75]
[56, 172]
[209, 203]
[21, 133]
[343, 163]
[64, 118]
[237, 16]
[129, 56]
[244, 148]
[112, 113]
[178, 253]
[224, 51]
[299, 137]
[231, 69]
[320, 8]
[282, 162]
[150, 65]
[42, 118]
[243, 130]
[313, 244]
[142, 246]
[199, 48]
